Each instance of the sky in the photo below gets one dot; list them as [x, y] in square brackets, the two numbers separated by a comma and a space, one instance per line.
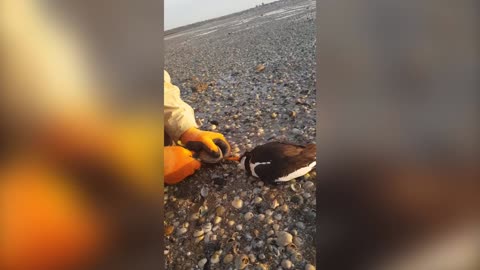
[183, 12]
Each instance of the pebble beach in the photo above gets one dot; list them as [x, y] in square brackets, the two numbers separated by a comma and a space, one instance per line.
[251, 77]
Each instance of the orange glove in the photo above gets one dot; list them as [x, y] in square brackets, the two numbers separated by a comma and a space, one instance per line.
[178, 164]
[210, 142]
[45, 223]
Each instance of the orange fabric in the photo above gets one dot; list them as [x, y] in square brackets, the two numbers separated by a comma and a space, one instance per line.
[207, 138]
[44, 222]
[178, 164]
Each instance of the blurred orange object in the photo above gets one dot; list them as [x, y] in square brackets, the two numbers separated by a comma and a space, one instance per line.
[44, 222]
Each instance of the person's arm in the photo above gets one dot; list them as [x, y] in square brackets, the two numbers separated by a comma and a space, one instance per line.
[180, 125]
[179, 116]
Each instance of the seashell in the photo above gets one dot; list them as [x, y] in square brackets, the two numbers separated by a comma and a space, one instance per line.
[269, 221]
[239, 227]
[300, 225]
[261, 267]
[228, 259]
[202, 263]
[260, 67]
[297, 257]
[241, 261]
[235, 247]
[284, 238]
[257, 200]
[203, 210]
[298, 241]
[198, 233]
[215, 258]
[309, 267]
[207, 237]
[287, 264]
[296, 199]
[259, 243]
[204, 192]
[274, 250]
[252, 258]
[169, 230]
[248, 216]
[194, 216]
[199, 239]
[237, 203]
[309, 185]
[296, 187]
[284, 208]
[207, 227]
[291, 248]
[220, 211]
[231, 223]
[181, 231]
[217, 220]
[274, 204]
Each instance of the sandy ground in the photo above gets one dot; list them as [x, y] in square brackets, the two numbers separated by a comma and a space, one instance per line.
[250, 107]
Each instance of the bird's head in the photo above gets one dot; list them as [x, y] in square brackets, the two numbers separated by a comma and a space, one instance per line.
[244, 160]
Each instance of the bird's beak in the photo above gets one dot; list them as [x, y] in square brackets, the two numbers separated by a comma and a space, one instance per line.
[237, 159]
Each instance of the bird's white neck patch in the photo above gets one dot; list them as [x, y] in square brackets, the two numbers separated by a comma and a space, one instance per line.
[297, 173]
[253, 165]
[242, 163]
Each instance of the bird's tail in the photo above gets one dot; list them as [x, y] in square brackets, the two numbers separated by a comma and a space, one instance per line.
[310, 151]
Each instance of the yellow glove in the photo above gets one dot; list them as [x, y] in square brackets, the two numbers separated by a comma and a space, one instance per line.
[212, 143]
[178, 164]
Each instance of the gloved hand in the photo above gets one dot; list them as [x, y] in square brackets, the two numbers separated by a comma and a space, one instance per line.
[178, 164]
[212, 143]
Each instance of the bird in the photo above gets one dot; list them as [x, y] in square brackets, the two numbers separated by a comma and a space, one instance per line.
[277, 162]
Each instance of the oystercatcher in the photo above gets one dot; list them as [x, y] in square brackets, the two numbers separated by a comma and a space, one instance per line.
[276, 162]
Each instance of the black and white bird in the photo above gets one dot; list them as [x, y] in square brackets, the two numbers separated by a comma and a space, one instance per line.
[276, 162]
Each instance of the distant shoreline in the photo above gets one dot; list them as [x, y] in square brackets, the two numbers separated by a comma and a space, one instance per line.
[193, 25]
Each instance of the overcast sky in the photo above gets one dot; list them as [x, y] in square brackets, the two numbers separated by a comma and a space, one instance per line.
[183, 12]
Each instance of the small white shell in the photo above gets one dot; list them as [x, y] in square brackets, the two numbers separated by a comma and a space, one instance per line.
[202, 263]
[198, 233]
[287, 264]
[284, 238]
[237, 203]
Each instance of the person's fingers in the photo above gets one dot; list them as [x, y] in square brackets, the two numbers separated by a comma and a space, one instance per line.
[179, 164]
[210, 146]
[185, 171]
[224, 146]
[206, 145]
[194, 165]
